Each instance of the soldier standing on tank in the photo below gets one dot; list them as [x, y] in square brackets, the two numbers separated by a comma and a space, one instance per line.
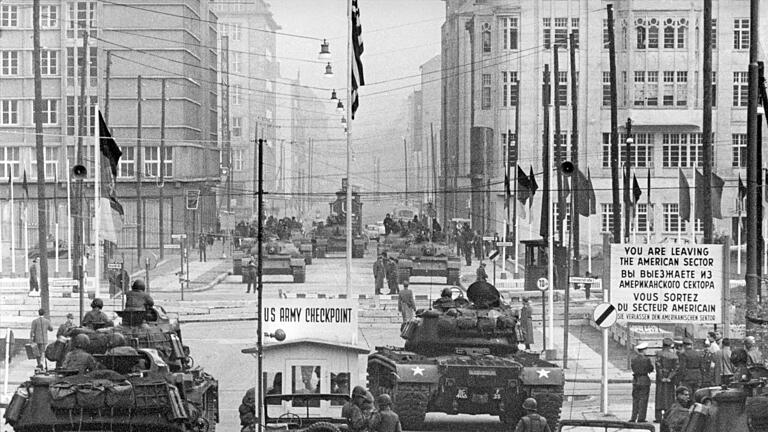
[392, 276]
[379, 273]
[641, 384]
[406, 303]
[666, 369]
[137, 298]
[95, 318]
[526, 322]
[532, 421]
[353, 413]
[385, 420]
[691, 367]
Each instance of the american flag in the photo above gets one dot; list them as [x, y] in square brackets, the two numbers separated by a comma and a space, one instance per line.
[357, 49]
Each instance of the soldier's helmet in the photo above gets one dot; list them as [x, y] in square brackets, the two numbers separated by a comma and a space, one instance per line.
[139, 285]
[384, 400]
[530, 404]
[81, 341]
[358, 391]
[97, 302]
[116, 340]
[446, 293]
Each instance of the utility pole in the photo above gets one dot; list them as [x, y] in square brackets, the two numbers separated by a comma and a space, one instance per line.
[259, 283]
[627, 174]
[405, 154]
[107, 76]
[255, 161]
[434, 168]
[752, 277]
[79, 241]
[558, 152]
[706, 124]
[544, 231]
[574, 158]
[42, 207]
[616, 216]
[139, 168]
[162, 167]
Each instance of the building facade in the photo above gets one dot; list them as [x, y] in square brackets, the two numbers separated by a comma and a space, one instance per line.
[493, 57]
[175, 42]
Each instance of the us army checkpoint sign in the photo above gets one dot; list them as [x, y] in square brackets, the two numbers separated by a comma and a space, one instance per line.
[329, 320]
[667, 283]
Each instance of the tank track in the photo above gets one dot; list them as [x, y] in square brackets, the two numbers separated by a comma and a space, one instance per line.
[410, 403]
[513, 410]
[550, 403]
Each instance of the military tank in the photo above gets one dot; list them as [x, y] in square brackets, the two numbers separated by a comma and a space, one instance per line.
[281, 258]
[429, 259]
[145, 380]
[304, 244]
[394, 243]
[465, 360]
[331, 235]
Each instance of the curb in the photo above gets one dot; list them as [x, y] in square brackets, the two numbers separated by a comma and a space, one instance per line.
[205, 287]
[599, 380]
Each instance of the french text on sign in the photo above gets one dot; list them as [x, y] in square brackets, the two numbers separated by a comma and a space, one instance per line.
[604, 315]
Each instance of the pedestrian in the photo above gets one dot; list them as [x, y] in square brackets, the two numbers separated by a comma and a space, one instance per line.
[482, 276]
[385, 420]
[691, 366]
[468, 241]
[712, 368]
[478, 245]
[526, 322]
[379, 274]
[666, 369]
[676, 419]
[392, 276]
[405, 303]
[723, 363]
[67, 326]
[38, 335]
[251, 275]
[95, 318]
[201, 244]
[754, 356]
[532, 421]
[33, 278]
[353, 413]
[387, 224]
[641, 383]
[79, 359]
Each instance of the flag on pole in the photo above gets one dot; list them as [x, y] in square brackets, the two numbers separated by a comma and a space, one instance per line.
[108, 146]
[684, 197]
[507, 191]
[24, 185]
[586, 204]
[716, 194]
[523, 186]
[636, 191]
[357, 49]
[110, 211]
[533, 186]
[742, 193]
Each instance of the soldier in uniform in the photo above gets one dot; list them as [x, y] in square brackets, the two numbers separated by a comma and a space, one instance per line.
[353, 413]
[379, 273]
[641, 383]
[676, 418]
[385, 420]
[445, 301]
[78, 359]
[532, 421]
[691, 366]
[391, 266]
[137, 298]
[95, 318]
[754, 356]
[482, 276]
[666, 369]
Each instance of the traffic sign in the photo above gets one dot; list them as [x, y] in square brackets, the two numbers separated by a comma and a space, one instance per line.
[493, 255]
[604, 315]
[172, 246]
[505, 243]
[63, 282]
[178, 236]
[115, 266]
[582, 280]
[489, 238]
[542, 284]
[193, 198]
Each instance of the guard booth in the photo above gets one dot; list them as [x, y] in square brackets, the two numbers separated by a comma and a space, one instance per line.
[537, 263]
[307, 373]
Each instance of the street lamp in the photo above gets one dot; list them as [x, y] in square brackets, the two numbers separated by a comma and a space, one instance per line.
[344, 121]
[340, 108]
[325, 53]
[333, 95]
[328, 70]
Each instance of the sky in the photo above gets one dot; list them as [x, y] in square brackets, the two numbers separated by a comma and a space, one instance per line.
[398, 37]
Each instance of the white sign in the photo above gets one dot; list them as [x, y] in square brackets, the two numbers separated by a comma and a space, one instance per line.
[330, 320]
[178, 236]
[172, 246]
[604, 315]
[489, 238]
[116, 266]
[542, 284]
[505, 243]
[63, 282]
[582, 280]
[667, 283]
[493, 255]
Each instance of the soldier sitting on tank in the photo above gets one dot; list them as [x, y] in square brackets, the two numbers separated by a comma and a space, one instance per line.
[484, 295]
[78, 359]
[445, 301]
[137, 300]
[95, 318]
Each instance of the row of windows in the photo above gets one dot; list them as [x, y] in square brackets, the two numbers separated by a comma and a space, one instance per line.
[672, 33]
[643, 221]
[10, 63]
[10, 111]
[233, 30]
[674, 88]
[81, 17]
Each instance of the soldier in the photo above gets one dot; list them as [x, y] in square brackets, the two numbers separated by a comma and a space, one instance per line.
[526, 322]
[353, 413]
[754, 356]
[252, 269]
[38, 335]
[68, 324]
[95, 318]
[467, 243]
[641, 383]
[481, 274]
[78, 359]
[445, 301]
[392, 276]
[385, 420]
[478, 245]
[33, 285]
[666, 369]
[532, 421]
[201, 246]
[405, 303]
[379, 273]
[691, 366]
[137, 299]
[676, 418]
[387, 224]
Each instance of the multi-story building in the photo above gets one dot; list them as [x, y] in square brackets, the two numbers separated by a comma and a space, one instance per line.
[493, 57]
[252, 71]
[175, 42]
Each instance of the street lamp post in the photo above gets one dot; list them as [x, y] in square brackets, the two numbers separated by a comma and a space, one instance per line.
[259, 286]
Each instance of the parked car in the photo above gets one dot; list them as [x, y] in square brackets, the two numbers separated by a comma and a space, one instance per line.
[372, 231]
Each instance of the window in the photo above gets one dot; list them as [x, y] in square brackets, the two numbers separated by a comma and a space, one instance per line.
[740, 89]
[9, 16]
[606, 217]
[305, 379]
[639, 88]
[235, 94]
[739, 150]
[652, 89]
[235, 61]
[575, 31]
[51, 157]
[641, 154]
[565, 147]
[714, 34]
[486, 97]
[10, 63]
[682, 150]
[647, 33]
[671, 216]
[561, 32]
[562, 88]
[237, 128]
[71, 113]
[168, 161]
[640, 220]
[510, 29]
[10, 162]
[682, 88]
[237, 159]
[511, 141]
[125, 168]
[567, 216]
[10, 112]
[606, 89]
[546, 24]
[152, 161]
[653, 33]
[49, 16]
[81, 19]
[675, 31]
[606, 35]
[75, 63]
[93, 65]
[741, 34]
[236, 31]
[509, 89]
[675, 91]
[50, 111]
[486, 37]
[49, 62]
[682, 31]
[714, 89]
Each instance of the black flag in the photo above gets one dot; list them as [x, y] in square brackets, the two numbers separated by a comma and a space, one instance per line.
[108, 146]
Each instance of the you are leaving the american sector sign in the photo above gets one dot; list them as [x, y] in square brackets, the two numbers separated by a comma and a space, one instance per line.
[667, 283]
